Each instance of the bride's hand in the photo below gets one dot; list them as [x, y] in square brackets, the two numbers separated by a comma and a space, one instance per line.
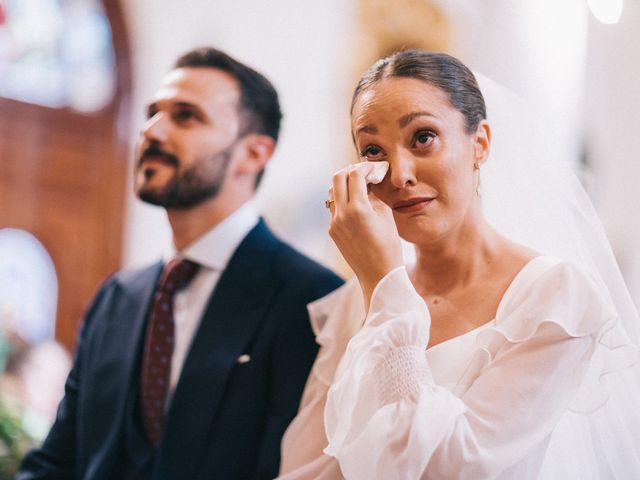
[363, 228]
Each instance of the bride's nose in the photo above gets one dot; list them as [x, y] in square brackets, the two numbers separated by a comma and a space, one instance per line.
[402, 170]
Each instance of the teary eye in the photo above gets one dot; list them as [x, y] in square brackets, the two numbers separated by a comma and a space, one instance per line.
[371, 152]
[424, 137]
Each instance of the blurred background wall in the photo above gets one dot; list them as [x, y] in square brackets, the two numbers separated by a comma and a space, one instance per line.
[582, 74]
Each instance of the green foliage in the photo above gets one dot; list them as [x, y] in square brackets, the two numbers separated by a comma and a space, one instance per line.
[14, 440]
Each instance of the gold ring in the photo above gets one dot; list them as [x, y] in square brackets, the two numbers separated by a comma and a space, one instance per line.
[327, 203]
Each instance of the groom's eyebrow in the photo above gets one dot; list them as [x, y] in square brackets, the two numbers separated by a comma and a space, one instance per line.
[409, 117]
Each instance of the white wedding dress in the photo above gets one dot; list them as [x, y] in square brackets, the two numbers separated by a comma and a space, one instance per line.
[549, 389]
[525, 396]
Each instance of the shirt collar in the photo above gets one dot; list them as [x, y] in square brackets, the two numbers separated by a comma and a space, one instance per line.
[215, 248]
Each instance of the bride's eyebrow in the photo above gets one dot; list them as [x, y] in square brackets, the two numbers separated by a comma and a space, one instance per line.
[409, 117]
[403, 121]
[367, 129]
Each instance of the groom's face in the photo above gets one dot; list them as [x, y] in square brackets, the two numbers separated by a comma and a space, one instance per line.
[189, 138]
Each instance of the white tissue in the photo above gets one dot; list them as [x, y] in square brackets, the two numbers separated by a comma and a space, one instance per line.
[374, 172]
[378, 171]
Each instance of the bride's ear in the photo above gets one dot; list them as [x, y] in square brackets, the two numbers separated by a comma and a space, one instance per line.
[482, 142]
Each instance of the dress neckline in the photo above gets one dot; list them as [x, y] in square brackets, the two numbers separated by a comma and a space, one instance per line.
[462, 336]
[521, 276]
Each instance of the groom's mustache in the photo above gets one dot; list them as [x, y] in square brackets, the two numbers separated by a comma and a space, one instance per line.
[156, 152]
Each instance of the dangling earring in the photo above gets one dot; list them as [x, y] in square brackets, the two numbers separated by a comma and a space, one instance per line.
[476, 166]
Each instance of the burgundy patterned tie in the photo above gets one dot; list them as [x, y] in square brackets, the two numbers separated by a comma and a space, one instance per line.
[158, 347]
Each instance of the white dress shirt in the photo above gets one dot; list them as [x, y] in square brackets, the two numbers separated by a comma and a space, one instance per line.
[212, 252]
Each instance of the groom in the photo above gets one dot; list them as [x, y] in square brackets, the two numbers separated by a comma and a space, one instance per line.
[193, 368]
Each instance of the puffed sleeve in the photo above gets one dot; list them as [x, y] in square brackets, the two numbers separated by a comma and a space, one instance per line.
[385, 417]
[334, 319]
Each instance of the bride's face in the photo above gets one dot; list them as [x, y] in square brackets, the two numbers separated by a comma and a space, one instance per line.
[431, 184]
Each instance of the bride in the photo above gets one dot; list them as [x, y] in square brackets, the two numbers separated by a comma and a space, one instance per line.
[508, 348]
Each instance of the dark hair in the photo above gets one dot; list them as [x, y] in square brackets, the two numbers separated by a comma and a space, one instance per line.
[259, 106]
[438, 69]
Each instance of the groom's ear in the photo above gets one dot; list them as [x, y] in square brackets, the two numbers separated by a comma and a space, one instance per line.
[257, 149]
[482, 142]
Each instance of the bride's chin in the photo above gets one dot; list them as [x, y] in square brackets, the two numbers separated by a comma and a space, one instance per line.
[418, 243]
[419, 233]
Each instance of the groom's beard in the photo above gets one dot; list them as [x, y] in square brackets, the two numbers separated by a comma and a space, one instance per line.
[189, 187]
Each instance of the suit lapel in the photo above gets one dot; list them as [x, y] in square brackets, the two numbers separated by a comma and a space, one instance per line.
[232, 317]
[122, 343]
[138, 295]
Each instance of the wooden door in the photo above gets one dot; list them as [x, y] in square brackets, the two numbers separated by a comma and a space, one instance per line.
[63, 178]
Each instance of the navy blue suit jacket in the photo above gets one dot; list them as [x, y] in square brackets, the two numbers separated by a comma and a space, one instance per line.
[226, 418]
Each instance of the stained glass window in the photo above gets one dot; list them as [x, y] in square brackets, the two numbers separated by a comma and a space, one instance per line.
[28, 286]
[56, 53]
